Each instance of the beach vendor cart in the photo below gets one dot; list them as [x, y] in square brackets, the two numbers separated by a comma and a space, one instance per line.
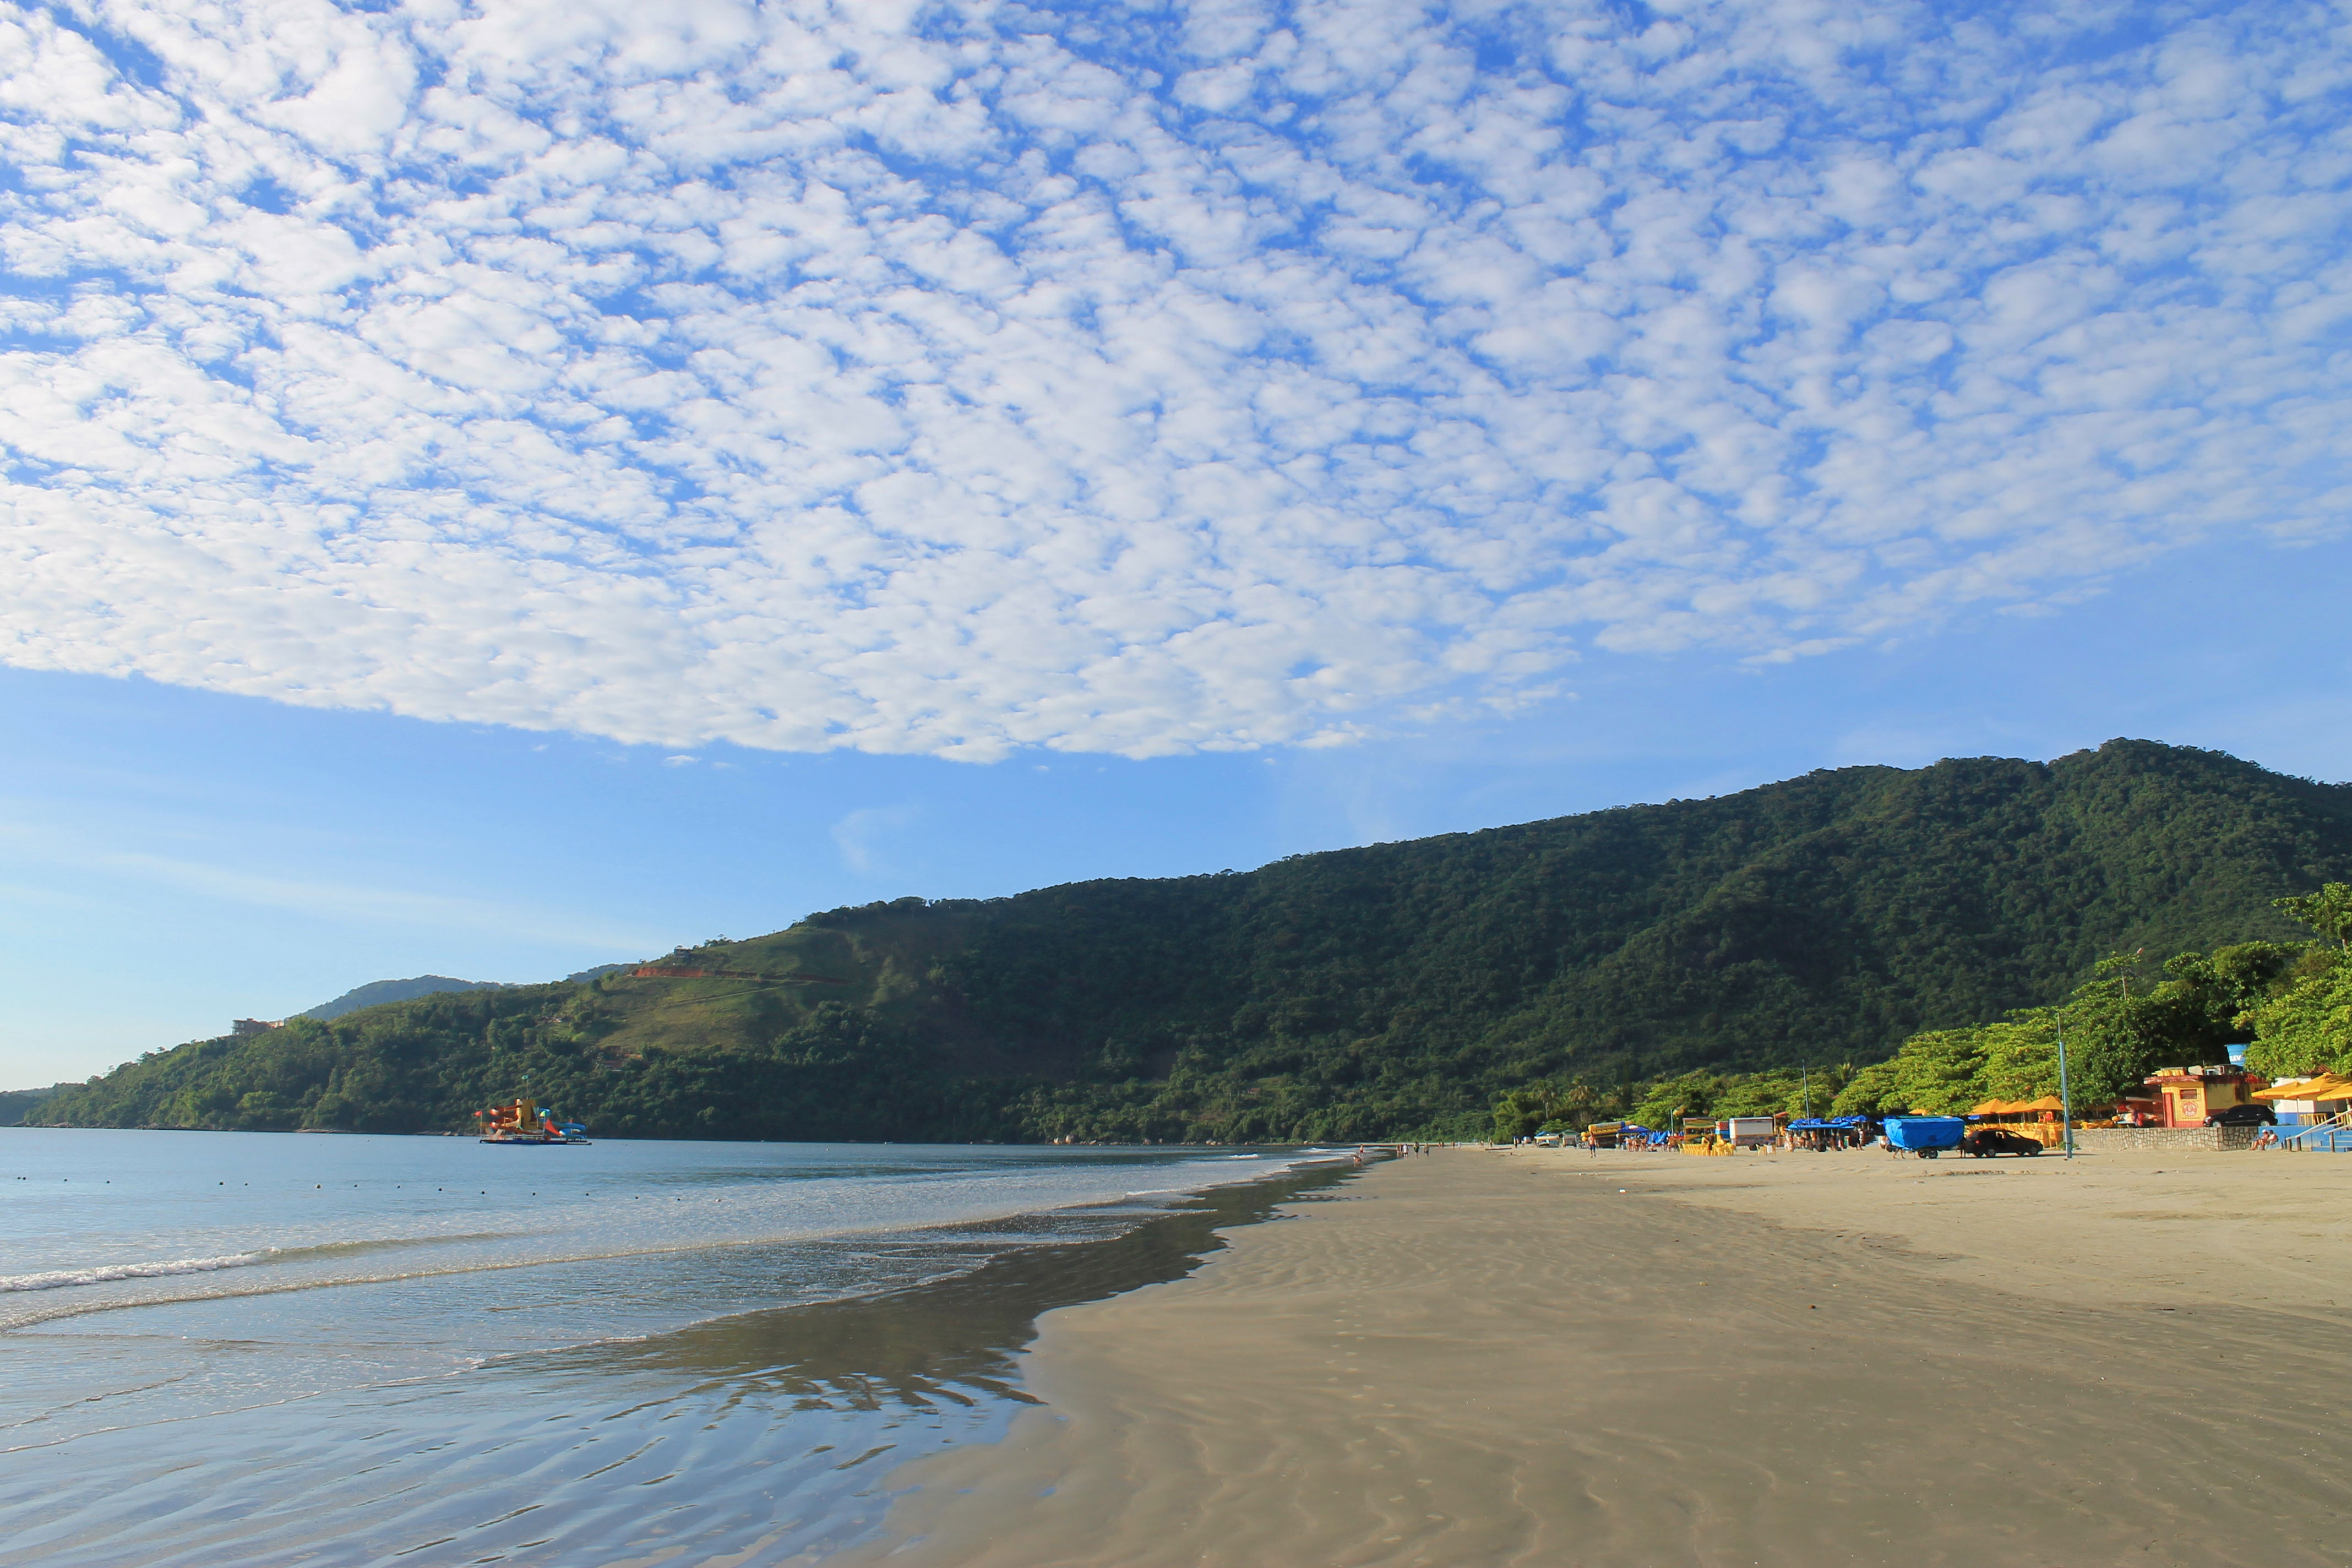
[1925, 1136]
[1698, 1137]
[2041, 1120]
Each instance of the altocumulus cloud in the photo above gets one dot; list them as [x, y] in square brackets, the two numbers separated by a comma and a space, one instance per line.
[954, 378]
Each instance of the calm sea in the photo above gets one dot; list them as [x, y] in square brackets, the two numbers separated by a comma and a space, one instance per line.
[256, 1348]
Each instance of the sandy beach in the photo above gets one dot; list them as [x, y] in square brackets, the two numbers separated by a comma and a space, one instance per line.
[1537, 1356]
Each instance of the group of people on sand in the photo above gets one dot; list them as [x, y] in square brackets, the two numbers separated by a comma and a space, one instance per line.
[1364, 1152]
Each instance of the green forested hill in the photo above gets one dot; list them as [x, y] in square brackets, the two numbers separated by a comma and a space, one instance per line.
[1363, 992]
[376, 993]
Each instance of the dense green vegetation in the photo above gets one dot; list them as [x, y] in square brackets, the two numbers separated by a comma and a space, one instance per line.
[2304, 1024]
[2116, 1033]
[19, 1106]
[1806, 1089]
[2290, 1002]
[377, 992]
[1390, 990]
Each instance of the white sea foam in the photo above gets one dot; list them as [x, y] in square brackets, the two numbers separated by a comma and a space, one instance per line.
[337, 1232]
[58, 1279]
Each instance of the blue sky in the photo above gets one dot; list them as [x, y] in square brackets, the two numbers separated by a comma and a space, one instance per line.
[497, 488]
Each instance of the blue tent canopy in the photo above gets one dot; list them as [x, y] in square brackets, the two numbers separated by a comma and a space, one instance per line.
[1925, 1131]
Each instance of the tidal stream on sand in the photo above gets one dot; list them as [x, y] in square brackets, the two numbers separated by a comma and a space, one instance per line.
[355, 1349]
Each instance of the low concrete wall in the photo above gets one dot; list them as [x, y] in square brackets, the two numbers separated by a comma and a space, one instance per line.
[2115, 1140]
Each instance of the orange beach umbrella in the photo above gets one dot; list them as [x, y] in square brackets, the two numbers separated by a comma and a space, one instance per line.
[2326, 1086]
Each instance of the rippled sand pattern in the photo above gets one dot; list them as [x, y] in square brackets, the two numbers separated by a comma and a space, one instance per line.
[525, 1464]
[1474, 1359]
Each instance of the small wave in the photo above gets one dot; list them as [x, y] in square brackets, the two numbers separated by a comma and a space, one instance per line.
[1241, 1156]
[58, 1279]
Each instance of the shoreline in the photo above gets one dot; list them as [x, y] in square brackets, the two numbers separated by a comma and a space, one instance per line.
[1548, 1356]
[384, 1423]
[971, 1324]
[983, 1239]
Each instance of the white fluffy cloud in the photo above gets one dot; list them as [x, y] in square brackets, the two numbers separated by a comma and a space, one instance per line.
[955, 378]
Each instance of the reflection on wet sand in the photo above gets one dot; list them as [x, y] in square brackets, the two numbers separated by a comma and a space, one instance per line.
[953, 1340]
[765, 1437]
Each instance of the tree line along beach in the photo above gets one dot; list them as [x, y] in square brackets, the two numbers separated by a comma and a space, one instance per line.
[1398, 990]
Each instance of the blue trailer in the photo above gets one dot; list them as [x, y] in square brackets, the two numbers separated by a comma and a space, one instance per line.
[1925, 1136]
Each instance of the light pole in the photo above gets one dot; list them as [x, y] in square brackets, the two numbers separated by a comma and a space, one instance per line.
[2065, 1099]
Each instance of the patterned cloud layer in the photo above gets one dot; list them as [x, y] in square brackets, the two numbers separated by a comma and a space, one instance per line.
[949, 379]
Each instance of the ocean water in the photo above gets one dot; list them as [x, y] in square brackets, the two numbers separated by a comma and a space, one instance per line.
[287, 1349]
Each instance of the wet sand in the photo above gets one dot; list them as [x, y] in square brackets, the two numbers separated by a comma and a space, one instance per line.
[1482, 1358]
[748, 1438]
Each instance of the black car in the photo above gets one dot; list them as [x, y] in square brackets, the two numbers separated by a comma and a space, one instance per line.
[2243, 1116]
[1984, 1142]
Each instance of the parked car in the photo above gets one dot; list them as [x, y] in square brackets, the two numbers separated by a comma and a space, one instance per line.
[2256, 1115]
[1984, 1142]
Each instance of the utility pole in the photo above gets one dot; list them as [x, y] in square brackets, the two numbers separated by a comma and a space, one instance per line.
[2065, 1099]
[1806, 1070]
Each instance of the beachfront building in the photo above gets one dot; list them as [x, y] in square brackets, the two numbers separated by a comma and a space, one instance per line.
[2302, 1101]
[2191, 1097]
